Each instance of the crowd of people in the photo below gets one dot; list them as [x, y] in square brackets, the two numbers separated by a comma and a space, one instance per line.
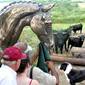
[18, 69]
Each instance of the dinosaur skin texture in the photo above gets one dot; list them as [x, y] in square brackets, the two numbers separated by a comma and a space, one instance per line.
[17, 15]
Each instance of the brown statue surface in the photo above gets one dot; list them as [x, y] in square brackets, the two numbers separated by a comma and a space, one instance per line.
[17, 15]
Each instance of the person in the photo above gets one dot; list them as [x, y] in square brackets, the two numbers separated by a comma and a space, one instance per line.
[1, 54]
[42, 77]
[39, 75]
[10, 63]
[24, 47]
[21, 45]
[22, 78]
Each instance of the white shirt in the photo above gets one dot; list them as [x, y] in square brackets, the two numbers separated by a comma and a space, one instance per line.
[7, 76]
[29, 48]
[42, 77]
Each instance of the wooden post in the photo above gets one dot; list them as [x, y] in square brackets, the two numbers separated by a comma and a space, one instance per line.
[75, 61]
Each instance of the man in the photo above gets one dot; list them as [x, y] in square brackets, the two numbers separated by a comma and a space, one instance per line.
[10, 63]
[24, 47]
[37, 74]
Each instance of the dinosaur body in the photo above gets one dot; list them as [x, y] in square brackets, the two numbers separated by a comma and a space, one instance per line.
[17, 15]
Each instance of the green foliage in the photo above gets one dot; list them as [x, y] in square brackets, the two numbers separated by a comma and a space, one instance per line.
[28, 36]
[66, 11]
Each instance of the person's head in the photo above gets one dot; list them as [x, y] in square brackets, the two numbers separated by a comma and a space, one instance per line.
[12, 57]
[24, 47]
[21, 45]
[23, 65]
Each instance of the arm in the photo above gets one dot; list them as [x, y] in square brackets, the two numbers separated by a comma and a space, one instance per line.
[43, 78]
[34, 56]
[53, 71]
[35, 82]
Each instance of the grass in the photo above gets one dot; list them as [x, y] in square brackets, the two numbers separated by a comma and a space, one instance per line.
[60, 26]
[65, 25]
[29, 37]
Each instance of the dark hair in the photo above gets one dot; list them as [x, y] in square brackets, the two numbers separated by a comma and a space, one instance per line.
[23, 65]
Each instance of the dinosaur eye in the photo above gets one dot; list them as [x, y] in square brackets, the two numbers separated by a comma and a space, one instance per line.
[43, 18]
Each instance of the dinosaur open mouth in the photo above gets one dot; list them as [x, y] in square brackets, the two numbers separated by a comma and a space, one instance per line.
[48, 24]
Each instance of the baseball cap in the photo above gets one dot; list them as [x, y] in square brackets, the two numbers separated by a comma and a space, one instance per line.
[13, 53]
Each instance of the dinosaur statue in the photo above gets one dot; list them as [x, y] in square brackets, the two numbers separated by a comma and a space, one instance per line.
[17, 15]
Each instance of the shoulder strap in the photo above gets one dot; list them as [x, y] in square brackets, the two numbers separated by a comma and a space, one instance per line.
[31, 71]
[30, 82]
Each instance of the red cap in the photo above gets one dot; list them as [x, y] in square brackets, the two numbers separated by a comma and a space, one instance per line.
[13, 54]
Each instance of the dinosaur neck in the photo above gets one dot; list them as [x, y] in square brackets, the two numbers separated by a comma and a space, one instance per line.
[15, 31]
[13, 18]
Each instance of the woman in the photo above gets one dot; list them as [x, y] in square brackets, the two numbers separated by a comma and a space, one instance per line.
[36, 73]
[22, 78]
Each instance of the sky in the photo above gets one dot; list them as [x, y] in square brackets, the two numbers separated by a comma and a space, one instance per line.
[12, 0]
[6, 2]
[3, 4]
